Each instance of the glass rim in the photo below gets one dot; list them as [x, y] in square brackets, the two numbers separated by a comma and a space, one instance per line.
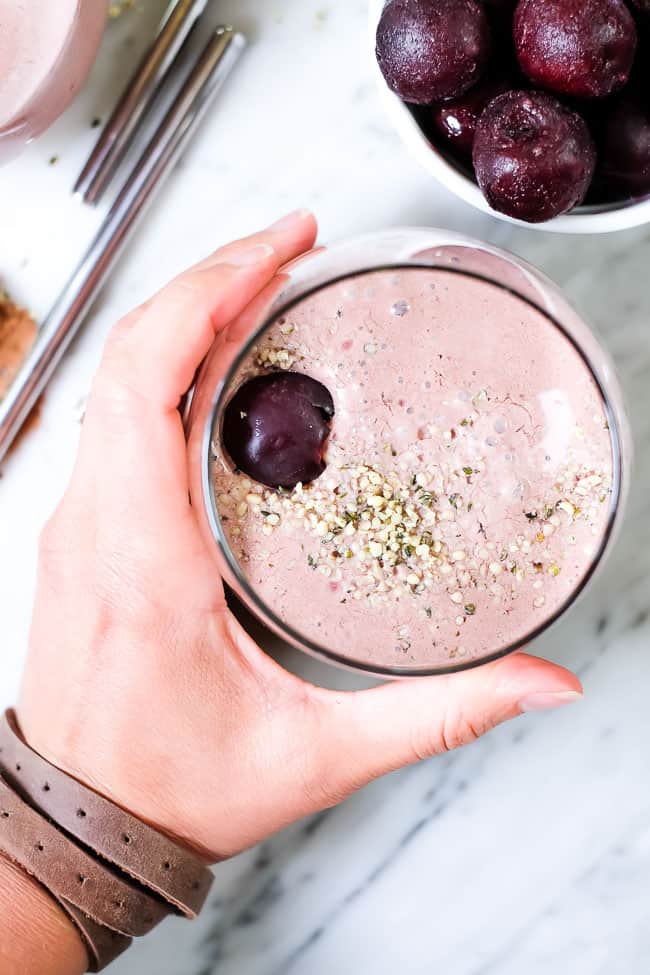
[264, 612]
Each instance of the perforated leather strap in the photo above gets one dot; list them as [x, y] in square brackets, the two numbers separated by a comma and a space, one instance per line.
[140, 851]
[68, 872]
[102, 944]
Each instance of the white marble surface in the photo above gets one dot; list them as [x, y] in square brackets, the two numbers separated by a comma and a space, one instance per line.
[529, 851]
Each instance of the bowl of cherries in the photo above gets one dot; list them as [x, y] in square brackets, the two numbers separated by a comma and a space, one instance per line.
[535, 110]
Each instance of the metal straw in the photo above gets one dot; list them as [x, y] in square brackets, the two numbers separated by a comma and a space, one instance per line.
[140, 92]
[157, 160]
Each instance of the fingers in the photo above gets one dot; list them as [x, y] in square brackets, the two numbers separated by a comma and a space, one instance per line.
[383, 729]
[156, 350]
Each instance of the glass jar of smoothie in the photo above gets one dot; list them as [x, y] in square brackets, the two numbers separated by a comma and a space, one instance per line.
[410, 456]
[47, 48]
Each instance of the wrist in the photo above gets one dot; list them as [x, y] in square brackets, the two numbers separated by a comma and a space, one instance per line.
[36, 938]
[105, 753]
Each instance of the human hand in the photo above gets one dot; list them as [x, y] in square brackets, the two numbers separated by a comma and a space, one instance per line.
[139, 681]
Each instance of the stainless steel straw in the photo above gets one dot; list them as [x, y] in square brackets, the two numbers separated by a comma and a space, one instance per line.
[121, 128]
[157, 160]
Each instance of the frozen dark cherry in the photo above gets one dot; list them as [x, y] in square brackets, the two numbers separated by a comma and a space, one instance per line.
[455, 120]
[432, 49]
[276, 426]
[581, 48]
[534, 159]
[623, 136]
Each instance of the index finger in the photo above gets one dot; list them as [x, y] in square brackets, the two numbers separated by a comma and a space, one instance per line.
[156, 350]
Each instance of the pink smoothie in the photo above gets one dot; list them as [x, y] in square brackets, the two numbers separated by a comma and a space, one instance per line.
[468, 480]
[46, 50]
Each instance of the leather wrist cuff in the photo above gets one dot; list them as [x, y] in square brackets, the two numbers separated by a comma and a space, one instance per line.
[147, 856]
[113, 875]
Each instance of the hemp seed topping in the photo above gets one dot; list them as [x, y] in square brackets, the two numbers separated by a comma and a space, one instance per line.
[402, 535]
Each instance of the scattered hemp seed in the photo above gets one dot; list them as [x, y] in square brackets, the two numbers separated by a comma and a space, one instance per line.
[398, 530]
[275, 358]
[118, 8]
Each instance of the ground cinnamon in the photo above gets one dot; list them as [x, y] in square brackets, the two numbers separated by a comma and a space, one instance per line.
[17, 333]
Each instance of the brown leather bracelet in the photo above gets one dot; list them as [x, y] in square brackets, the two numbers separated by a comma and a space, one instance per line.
[68, 872]
[147, 856]
[102, 944]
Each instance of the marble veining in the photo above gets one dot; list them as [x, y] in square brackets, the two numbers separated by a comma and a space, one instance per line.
[530, 850]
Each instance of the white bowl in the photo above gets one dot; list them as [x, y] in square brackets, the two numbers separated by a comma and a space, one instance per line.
[583, 220]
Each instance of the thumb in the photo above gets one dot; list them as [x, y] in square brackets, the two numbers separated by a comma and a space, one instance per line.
[400, 723]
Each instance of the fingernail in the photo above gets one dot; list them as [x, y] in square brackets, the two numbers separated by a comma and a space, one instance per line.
[253, 255]
[544, 702]
[290, 220]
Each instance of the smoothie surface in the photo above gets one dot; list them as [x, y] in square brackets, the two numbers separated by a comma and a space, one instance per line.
[468, 481]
